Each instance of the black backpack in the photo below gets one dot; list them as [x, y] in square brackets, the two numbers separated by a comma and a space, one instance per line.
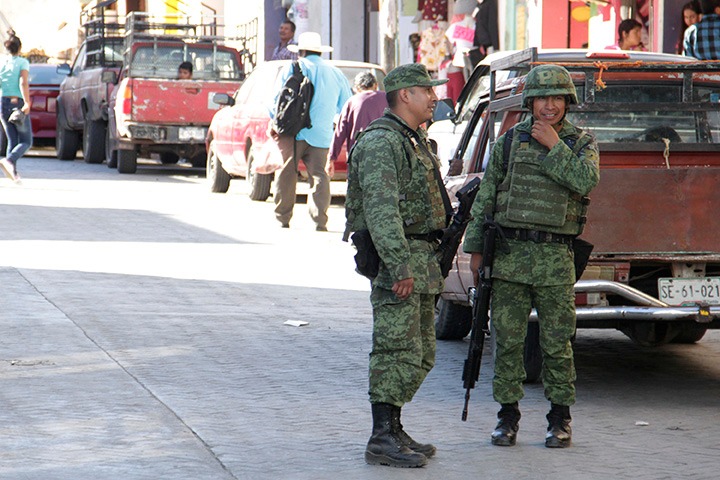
[292, 112]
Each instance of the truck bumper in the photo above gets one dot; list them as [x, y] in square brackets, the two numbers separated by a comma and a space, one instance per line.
[642, 307]
[170, 134]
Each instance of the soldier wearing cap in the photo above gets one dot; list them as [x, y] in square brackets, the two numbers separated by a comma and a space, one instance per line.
[538, 198]
[394, 193]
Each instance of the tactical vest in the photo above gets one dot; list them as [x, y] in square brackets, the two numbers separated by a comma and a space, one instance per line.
[419, 207]
[530, 200]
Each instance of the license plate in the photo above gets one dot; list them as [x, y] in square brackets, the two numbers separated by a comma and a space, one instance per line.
[191, 133]
[679, 291]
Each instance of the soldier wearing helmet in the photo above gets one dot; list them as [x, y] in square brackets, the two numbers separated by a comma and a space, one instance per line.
[536, 188]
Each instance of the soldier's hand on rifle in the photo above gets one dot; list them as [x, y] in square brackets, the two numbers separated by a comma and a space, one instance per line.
[544, 133]
[475, 262]
[403, 288]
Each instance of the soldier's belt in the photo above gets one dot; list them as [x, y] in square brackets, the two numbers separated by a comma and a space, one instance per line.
[431, 237]
[537, 236]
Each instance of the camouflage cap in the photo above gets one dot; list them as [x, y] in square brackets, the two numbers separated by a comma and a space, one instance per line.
[410, 75]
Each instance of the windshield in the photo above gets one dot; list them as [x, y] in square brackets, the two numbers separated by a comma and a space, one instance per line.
[163, 62]
[658, 115]
[45, 75]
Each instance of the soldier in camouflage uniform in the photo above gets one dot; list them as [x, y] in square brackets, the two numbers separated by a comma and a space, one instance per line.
[538, 198]
[394, 192]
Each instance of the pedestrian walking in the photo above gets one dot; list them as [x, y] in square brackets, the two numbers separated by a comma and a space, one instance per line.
[311, 144]
[702, 40]
[539, 203]
[366, 105]
[395, 194]
[15, 117]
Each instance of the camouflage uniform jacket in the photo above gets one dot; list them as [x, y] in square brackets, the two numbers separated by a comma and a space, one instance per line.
[541, 264]
[398, 196]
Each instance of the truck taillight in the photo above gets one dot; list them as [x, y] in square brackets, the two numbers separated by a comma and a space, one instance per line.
[127, 98]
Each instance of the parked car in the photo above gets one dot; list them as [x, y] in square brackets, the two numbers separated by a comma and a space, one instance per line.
[655, 271]
[44, 88]
[450, 123]
[238, 132]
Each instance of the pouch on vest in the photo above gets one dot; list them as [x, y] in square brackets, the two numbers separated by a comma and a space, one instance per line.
[367, 258]
[533, 198]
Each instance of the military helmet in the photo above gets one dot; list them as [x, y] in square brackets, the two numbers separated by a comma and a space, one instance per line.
[548, 80]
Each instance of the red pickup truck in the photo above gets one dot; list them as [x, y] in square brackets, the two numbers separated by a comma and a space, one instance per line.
[655, 271]
[151, 110]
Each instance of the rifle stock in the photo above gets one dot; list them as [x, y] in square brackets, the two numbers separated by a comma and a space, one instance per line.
[481, 313]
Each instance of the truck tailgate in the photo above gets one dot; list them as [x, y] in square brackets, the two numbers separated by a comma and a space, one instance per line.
[183, 102]
[647, 207]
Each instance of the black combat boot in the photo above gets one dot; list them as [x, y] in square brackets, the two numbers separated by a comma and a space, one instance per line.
[505, 434]
[559, 433]
[424, 448]
[385, 446]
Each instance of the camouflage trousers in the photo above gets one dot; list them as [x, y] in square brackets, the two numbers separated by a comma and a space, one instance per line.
[403, 347]
[511, 305]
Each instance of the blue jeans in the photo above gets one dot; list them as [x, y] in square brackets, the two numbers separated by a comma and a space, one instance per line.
[19, 140]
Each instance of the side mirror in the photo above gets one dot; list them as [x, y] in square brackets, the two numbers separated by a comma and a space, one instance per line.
[223, 99]
[108, 76]
[63, 69]
[444, 110]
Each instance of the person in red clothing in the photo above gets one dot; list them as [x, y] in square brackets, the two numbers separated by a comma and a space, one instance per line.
[366, 105]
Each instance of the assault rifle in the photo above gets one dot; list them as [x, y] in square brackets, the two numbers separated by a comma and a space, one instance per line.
[452, 235]
[481, 312]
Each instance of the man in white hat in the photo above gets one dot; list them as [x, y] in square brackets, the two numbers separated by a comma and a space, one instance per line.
[310, 145]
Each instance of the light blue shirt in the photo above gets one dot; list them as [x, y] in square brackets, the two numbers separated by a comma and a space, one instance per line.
[331, 89]
[10, 75]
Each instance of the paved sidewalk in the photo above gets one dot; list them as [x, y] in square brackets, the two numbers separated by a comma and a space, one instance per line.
[144, 338]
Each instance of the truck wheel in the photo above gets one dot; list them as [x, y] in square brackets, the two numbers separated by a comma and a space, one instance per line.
[110, 154]
[126, 161]
[259, 183]
[217, 177]
[94, 141]
[690, 333]
[532, 354]
[168, 158]
[453, 321]
[66, 141]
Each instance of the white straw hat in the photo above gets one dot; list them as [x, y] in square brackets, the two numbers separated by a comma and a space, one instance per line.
[310, 41]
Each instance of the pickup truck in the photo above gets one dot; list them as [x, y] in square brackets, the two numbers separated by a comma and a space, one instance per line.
[151, 110]
[654, 273]
[82, 104]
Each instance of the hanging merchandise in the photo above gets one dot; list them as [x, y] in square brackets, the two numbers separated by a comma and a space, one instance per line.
[486, 27]
[461, 34]
[433, 47]
[435, 10]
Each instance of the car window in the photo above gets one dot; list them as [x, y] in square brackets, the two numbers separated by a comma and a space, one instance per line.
[479, 90]
[351, 72]
[45, 76]
[79, 64]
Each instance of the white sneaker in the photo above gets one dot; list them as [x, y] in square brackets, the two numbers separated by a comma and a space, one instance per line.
[7, 168]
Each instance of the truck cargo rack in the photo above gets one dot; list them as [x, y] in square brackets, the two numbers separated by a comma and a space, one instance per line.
[104, 32]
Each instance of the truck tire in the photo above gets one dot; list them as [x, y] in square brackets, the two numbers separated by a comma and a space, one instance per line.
[650, 334]
[110, 154]
[690, 333]
[126, 161]
[453, 321]
[217, 177]
[168, 158]
[532, 354]
[66, 141]
[259, 183]
[94, 141]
